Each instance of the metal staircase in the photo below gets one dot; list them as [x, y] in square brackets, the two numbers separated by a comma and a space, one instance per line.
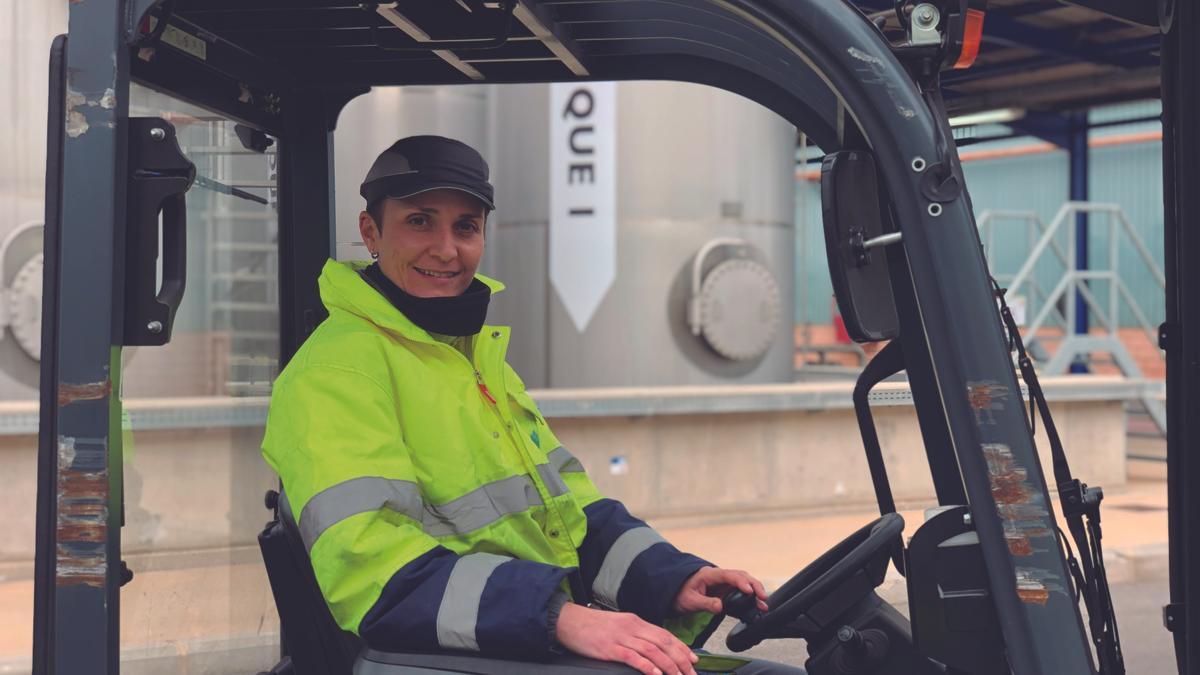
[241, 252]
[1057, 308]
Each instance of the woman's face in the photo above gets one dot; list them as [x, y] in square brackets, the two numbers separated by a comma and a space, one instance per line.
[428, 244]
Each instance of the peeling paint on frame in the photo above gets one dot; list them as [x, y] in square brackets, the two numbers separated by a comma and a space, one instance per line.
[88, 391]
[1020, 505]
[77, 123]
[873, 73]
[81, 526]
[1034, 585]
[987, 397]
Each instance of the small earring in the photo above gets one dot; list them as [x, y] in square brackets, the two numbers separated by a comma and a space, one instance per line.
[374, 255]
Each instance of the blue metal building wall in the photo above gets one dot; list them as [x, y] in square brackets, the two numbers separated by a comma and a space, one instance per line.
[814, 293]
[1130, 175]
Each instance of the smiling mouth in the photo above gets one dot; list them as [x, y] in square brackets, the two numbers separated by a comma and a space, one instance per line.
[437, 275]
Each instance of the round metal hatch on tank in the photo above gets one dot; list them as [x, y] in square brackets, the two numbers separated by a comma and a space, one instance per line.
[21, 303]
[736, 306]
[25, 307]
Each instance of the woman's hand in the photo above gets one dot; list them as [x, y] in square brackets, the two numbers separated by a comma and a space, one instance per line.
[702, 592]
[625, 638]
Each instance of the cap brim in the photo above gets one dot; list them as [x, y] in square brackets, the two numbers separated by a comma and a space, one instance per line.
[446, 186]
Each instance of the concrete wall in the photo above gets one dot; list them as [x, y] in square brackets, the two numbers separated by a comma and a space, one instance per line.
[200, 602]
[686, 469]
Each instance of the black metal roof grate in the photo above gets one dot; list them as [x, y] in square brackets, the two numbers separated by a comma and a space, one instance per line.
[1037, 54]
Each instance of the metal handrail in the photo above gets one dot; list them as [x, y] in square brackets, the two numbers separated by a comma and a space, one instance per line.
[1074, 279]
[1035, 228]
[1075, 282]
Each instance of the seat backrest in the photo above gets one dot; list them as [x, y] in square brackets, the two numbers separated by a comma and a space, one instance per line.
[313, 640]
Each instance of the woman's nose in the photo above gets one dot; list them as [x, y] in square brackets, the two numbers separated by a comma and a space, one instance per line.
[443, 247]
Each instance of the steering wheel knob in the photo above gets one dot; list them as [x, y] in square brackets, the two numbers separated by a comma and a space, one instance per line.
[743, 607]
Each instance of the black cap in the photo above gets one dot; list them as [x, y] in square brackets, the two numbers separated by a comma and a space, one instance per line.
[421, 163]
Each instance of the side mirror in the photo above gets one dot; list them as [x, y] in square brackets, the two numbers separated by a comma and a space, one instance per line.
[855, 214]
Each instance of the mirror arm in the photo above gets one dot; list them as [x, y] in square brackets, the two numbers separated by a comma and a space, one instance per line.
[861, 247]
[883, 240]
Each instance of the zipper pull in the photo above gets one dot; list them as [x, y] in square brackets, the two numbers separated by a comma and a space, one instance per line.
[483, 388]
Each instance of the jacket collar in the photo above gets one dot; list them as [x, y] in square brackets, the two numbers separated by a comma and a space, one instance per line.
[342, 288]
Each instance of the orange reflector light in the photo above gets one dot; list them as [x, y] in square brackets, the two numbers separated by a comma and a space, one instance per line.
[972, 36]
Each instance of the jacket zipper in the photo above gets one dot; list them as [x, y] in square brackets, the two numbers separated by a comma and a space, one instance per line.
[483, 389]
[487, 395]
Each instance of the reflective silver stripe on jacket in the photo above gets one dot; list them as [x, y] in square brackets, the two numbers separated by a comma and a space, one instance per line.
[561, 461]
[459, 611]
[357, 495]
[554, 482]
[564, 462]
[616, 563]
[480, 507]
[476, 509]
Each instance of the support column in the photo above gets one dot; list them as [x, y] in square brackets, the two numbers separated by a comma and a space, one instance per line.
[306, 209]
[1077, 149]
[1180, 334]
[1069, 132]
[306, 220]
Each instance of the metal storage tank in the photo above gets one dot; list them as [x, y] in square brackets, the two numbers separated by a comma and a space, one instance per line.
[26, 33]
[694, 166]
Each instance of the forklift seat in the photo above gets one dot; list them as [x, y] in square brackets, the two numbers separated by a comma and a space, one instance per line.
[315, 645]
[311, 638]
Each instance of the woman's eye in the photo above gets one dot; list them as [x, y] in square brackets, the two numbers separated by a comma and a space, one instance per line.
[418, 221]
[468, 227]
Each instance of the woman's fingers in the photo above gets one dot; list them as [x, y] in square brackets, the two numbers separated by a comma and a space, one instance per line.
[711, 605]
[619, 636]
[747, 584]
[760, 592]
[681, 657]
[674, 648]
[634, 660]
[652, 651]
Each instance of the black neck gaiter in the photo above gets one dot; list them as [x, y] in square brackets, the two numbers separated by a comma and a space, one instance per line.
[458, 315]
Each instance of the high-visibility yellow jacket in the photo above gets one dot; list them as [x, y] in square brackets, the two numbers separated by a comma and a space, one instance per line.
[438, 508]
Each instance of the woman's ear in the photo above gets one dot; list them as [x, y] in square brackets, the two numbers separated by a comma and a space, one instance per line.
[369, 232]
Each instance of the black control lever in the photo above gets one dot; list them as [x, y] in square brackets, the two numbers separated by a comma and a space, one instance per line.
[741, 606]
[859, 651]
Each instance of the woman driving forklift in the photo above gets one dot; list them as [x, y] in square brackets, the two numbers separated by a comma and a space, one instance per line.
[438, 508]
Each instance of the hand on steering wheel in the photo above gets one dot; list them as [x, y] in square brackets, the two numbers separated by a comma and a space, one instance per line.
[866, 552]
[702, 592]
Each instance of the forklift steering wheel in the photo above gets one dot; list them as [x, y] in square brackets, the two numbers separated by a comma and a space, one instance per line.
[851, 570]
